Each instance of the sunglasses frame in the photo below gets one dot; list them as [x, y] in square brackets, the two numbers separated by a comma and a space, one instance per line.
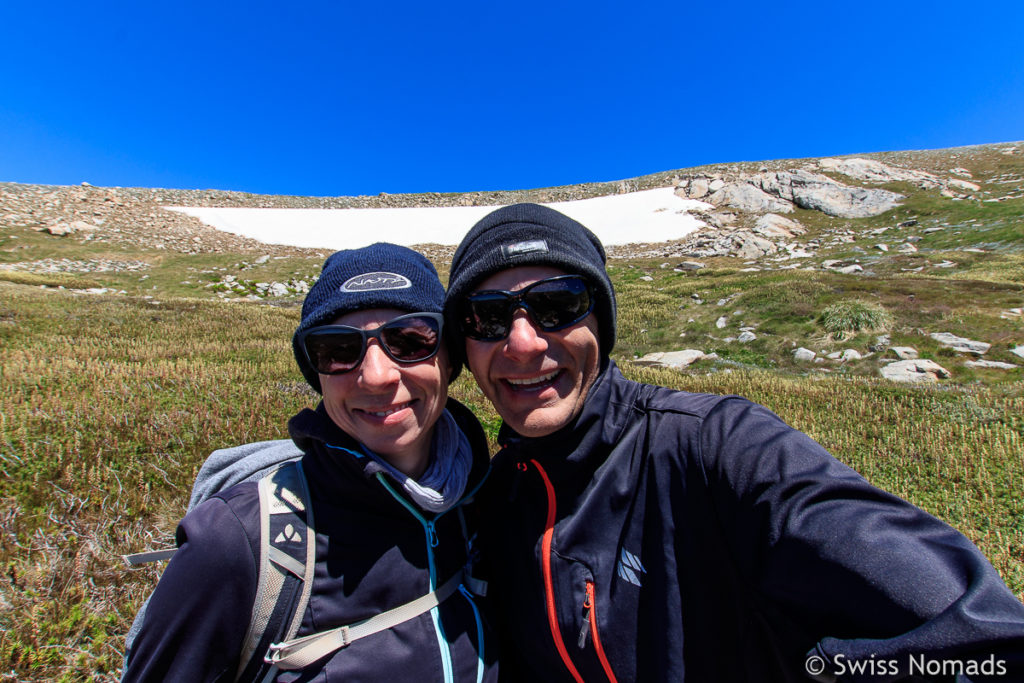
[367, 335]
[516, 301]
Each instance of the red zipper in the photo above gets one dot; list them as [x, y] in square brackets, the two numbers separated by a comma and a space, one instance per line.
[590, 604]
[549, 593]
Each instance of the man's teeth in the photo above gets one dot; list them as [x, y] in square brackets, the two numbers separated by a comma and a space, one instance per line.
[533, 380]
[389, 411]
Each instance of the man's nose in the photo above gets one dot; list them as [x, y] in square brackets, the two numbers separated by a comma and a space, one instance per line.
[525, 339]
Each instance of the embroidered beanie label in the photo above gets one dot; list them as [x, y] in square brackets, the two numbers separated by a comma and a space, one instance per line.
[521, 248]
[369, 282]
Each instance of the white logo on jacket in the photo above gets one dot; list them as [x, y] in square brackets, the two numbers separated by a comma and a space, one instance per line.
[630, 568]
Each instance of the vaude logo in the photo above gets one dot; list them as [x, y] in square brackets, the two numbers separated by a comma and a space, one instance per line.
[369, 282]
[630, 569]
[521, 248]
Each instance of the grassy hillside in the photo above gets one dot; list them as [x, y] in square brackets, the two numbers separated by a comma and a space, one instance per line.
[111, 400]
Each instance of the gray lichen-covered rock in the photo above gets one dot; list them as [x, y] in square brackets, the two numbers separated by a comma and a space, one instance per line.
[961, 344]
[673, 359]
[872, 171]
[773, 225]
[746, 197]
[904, 352]
[995, 364]
[918, 370]
[804, 355]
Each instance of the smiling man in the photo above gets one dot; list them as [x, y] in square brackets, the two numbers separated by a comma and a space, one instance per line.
[637, 533]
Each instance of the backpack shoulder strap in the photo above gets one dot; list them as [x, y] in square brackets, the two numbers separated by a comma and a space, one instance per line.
[287, 558]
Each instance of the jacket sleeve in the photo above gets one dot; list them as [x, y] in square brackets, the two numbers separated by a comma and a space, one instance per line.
[198, 615]
[860, 573]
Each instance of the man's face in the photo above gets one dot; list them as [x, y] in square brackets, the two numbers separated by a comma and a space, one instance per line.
[536, 380]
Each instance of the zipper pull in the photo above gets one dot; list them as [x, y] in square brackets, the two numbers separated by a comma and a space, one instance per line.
[588, 603]
[521, 467]
[432, 534]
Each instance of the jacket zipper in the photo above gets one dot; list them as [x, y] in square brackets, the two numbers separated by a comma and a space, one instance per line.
[431, 534]
[589, 604]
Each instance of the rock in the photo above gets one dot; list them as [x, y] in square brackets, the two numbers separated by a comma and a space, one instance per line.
[773, 225]
[647, 278]
[904, 352]
[750, 246]
[721, 322]
[262, 259]
[882, 247]
[961, 344]
[907, 224]
[690, 265]
[850, 354]
[963, 172]
[964, 185]
[746, 337]
[872, 171]
[849, 270]
[803, 354]
[918, 370]
[671, 359]
[746, 197]
[1018, 351]
[819, 192]
[907, 248]
[990, 364]
[277, 289]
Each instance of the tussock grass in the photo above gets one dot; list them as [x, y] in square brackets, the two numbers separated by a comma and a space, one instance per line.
[852, 316]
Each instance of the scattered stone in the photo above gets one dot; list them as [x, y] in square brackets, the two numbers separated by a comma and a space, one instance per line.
[277, 289]
[746, 337]
[673, 359]
[960, 344]
[918, 370]
[963, 172]
[1018, 351]
[262, 259]
[647, 278]
[964, 185]
[803, 354]
[945, 264]
[690, 265]
[907, 224]
[907, 248]
[904, 352]
[773, 225]
[990, 364]
[882, 247]
[850, 270]
[721, 322]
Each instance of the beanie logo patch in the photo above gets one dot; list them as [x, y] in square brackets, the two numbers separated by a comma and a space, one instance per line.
[523, 248]
[371, 282]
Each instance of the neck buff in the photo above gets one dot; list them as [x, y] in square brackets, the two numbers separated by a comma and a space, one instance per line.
[444, 481]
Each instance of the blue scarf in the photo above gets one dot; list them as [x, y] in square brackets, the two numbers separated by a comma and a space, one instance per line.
[444, 481]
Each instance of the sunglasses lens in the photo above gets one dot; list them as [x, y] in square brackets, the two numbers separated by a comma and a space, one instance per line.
[334, 351]
[559, 303]
[410, 339]
[553, 304]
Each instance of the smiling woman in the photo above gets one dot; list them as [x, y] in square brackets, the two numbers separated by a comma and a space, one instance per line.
[390, 464]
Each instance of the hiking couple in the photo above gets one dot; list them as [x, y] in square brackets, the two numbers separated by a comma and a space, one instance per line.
[624, 532]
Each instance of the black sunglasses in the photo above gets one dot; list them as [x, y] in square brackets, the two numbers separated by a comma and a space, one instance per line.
[335, 349]
[553, 303]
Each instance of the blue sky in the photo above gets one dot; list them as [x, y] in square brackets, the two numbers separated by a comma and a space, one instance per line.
[342, 98]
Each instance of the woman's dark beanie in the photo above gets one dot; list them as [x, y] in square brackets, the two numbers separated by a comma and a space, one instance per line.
[531, 235]
[378, 276]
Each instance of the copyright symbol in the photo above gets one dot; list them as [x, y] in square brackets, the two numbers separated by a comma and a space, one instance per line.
[814, 665]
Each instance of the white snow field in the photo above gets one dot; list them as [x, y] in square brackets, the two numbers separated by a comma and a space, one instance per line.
[648, 216]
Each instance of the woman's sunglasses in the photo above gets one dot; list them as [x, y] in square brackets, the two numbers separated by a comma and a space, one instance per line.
[334, 349]
[553, 303]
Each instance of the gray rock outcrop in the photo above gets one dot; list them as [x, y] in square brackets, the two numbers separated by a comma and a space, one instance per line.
[961, 344]
[919, 370]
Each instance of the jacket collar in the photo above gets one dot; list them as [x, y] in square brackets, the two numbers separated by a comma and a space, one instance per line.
[586, 441]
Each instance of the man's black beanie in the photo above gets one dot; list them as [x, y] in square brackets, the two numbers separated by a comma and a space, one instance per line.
[531, 235]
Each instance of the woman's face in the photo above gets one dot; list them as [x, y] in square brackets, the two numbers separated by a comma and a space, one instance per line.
[390, 407]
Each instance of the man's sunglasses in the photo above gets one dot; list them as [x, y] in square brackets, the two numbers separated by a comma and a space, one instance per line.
[335, 349]
[553, 303]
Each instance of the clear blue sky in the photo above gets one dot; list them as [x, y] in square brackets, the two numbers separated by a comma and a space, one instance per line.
[346, 97]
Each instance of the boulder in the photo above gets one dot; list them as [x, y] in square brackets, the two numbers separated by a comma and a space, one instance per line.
[721, 322]
[750, 246]
[773, 225]
[1018, 351]
[918, 370]
[819, 192]
[871, 171]
[961, 344]
[746, 337]
[745, 197]
[990, 364]
[672, 359]
[904, 352]
[804, 355]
